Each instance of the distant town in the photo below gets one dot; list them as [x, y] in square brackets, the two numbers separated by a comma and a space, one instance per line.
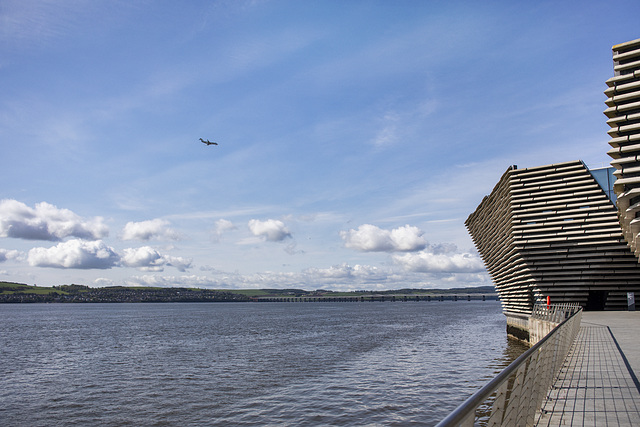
[22, 293]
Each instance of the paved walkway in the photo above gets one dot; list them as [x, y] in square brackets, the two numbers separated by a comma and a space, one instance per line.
[598, 383]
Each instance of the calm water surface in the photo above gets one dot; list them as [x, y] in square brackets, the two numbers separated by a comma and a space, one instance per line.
[380, 363]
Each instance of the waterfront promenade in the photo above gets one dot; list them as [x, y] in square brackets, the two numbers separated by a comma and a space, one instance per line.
[598, 383]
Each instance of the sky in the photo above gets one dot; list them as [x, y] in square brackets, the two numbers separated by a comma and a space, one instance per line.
[354, 137]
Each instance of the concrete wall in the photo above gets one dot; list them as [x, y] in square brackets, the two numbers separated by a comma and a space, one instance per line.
[539, 329]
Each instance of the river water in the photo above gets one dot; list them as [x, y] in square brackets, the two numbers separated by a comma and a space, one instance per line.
[299, 364]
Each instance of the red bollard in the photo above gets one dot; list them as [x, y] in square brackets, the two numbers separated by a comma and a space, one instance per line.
[548, 301]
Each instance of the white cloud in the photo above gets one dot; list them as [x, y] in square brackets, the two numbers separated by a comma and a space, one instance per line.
[369, 238]
[342, 271]
[148, 259]
[152, 229]
[46, 222]
[345, 271]
[144, 258]
[398, 124]
[83, 254]
[272, 230]
[75, 254]
[428, 261]
[9, 254]
[103, 282]
[181, 264]
[222, 226]
[388, 135]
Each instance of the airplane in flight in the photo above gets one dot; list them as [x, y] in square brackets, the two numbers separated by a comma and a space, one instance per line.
[208, 142]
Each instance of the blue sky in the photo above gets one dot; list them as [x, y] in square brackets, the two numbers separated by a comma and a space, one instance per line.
[355, 137]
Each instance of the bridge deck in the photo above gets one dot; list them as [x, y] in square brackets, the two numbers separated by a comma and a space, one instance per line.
[598, 383]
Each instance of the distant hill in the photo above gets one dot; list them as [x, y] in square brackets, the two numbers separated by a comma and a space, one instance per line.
[19, 293]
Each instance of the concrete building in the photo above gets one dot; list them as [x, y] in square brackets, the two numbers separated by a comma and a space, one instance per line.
[553, 231]
[563, 231]
[624, 119]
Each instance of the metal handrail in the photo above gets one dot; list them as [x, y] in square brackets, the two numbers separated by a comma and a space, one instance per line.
[531, 376]
[554, 312]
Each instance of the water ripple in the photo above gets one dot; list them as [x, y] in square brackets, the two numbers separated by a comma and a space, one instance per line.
[246, 364]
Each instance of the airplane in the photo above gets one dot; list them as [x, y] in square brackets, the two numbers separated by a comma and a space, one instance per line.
[208, 142]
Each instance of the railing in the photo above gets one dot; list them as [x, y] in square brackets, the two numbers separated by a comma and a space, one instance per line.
[514, 397]
[545, 318]
[556, 313]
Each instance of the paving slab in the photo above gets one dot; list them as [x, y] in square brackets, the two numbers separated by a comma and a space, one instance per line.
[598, 382]
[625, 327]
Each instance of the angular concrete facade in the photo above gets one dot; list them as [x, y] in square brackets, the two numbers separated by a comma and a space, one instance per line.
[624, 119]
[566, 233]
[552, 231]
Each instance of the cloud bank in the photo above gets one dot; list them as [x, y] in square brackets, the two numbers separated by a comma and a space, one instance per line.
[46, 222]
[414, 262]
[340, 277]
